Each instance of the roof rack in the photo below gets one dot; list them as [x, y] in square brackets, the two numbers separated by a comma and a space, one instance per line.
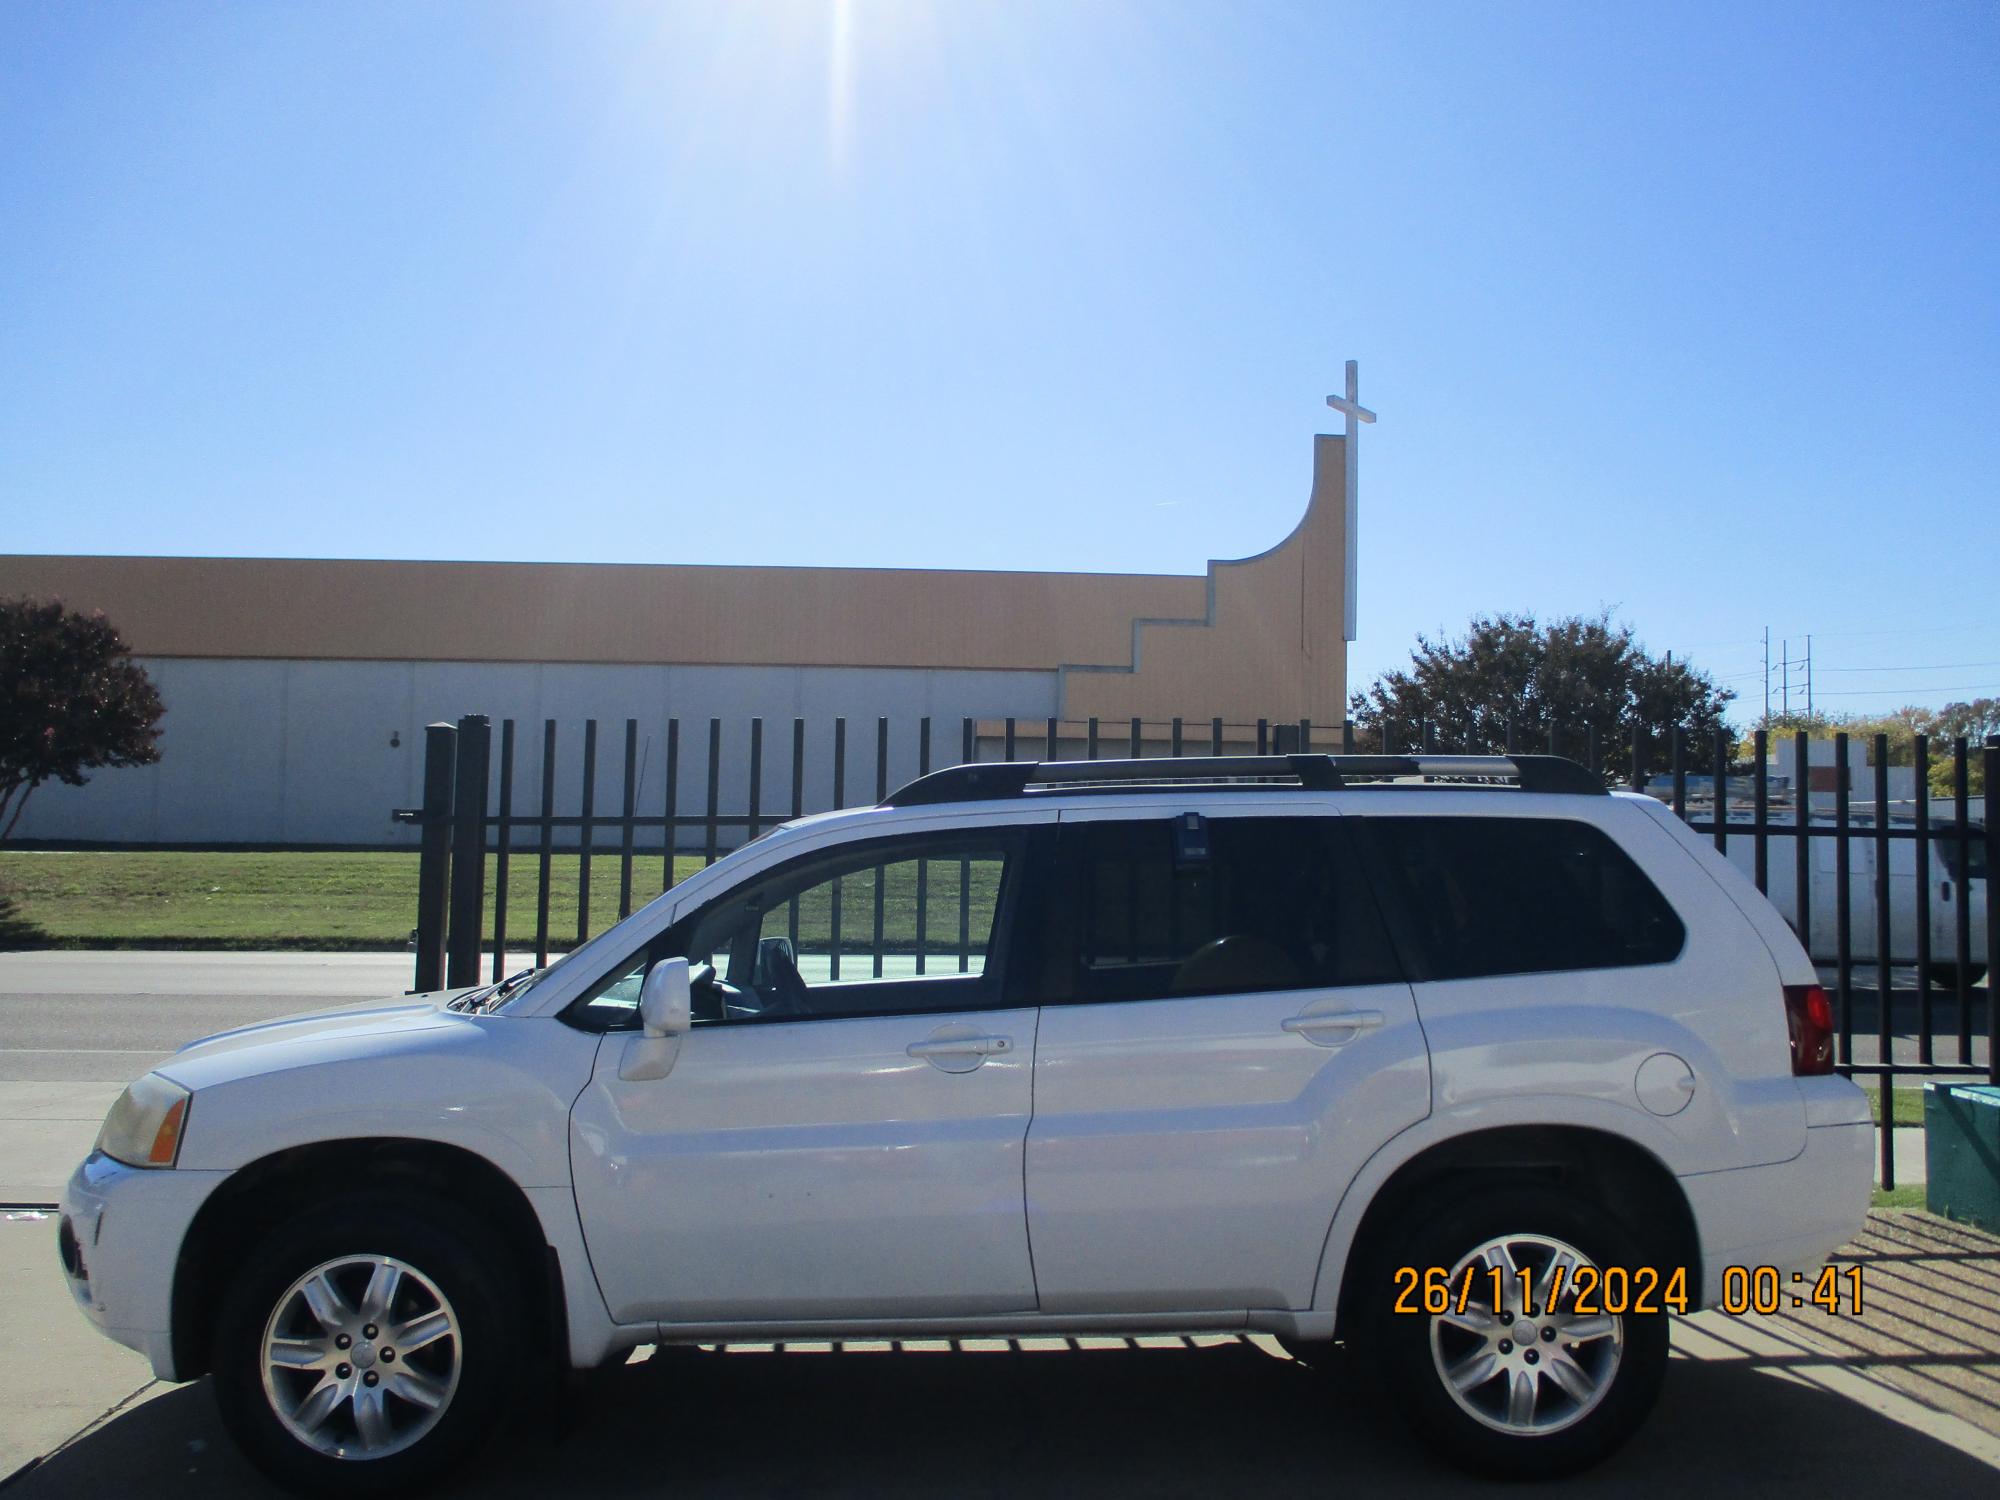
[992, 781]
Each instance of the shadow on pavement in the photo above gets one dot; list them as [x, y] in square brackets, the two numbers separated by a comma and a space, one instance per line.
[1196, 1421]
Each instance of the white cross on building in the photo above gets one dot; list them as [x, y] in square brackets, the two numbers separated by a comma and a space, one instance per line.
[1356, 413]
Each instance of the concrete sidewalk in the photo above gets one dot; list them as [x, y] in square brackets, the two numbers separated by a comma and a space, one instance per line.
[45, 1130]
[57, 1374]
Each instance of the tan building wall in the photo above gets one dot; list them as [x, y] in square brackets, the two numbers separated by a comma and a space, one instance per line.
[1268, 644]
[1260, 636]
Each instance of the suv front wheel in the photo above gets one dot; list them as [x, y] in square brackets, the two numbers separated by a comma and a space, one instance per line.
[364, 1347]
[1518, 1387]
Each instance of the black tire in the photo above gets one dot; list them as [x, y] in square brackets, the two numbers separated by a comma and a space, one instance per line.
[486, 1357]
[1402, 1344]
[1945, 976]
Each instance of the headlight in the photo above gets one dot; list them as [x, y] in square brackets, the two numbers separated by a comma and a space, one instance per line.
[145, 1126]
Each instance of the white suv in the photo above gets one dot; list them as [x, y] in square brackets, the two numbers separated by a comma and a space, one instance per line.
[1459, 1059]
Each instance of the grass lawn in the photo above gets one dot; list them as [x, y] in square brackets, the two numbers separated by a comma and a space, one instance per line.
[320, 900]
[121, 899]
[1908, 1104]
[1905, 1195]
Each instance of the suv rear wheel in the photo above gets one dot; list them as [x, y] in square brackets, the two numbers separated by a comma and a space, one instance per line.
[1521, 1389]
[364, 1347]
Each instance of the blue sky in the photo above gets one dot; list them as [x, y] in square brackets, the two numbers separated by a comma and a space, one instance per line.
[1689, 311]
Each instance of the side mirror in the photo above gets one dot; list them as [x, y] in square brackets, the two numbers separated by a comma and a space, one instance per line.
[665, 1006]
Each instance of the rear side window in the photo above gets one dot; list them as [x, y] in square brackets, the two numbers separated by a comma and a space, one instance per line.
[1250, 904]
[1523, 896]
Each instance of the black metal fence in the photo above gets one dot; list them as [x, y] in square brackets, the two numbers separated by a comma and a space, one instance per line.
[475, 812]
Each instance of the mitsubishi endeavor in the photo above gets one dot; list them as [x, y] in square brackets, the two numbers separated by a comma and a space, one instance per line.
[1463, 1061]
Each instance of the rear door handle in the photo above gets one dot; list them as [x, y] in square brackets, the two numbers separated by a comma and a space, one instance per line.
[1331, 1028]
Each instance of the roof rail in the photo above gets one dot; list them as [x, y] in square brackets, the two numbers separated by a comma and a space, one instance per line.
[991, 781]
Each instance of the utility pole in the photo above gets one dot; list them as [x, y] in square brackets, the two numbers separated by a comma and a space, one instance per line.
[1767, 677]
[1785, 677]
[1809, 707]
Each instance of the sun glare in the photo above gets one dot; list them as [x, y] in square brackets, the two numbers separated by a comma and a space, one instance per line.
[840, 83]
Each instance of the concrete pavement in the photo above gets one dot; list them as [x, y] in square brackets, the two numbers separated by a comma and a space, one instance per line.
[57, 1375]
[1763, 1408]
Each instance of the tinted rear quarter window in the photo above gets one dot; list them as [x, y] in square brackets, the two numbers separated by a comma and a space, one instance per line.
[1522, 896]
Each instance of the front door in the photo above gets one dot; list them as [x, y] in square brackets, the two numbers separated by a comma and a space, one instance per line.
[1225, 1039]
[841, 1133]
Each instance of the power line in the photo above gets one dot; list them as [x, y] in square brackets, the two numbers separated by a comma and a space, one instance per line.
[1935, 666]
[1963, 687]
[1863, 635]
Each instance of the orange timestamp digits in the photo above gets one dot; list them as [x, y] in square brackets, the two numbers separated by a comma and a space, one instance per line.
[1580, 1291]
[1766, 1289]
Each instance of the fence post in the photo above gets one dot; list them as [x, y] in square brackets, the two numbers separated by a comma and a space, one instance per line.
[1802, 842]
[503, 830]
[1962, 907]
[1885, 1039]
[1761, 801]
[468, 851]
[1992, 769]
[434, 860]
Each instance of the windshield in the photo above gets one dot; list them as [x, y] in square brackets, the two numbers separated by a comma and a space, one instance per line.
[595, 945]
[603, 942]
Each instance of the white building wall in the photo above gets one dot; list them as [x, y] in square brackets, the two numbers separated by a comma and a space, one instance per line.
[301, 752]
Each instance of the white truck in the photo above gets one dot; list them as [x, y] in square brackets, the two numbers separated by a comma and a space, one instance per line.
[1950, 867]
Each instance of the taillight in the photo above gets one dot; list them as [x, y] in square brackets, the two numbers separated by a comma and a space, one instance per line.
[1809, 1016]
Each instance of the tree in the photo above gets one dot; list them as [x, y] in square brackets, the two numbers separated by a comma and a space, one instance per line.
[71, 700]
[1574, 674]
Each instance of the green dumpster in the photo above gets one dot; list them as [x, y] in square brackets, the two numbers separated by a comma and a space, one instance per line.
[1962, 1153]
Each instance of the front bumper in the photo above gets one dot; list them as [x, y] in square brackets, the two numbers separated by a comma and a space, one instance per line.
[1790, 1214]
[120, 1239]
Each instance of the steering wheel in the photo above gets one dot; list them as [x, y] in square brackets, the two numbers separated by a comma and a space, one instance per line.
[787, 993]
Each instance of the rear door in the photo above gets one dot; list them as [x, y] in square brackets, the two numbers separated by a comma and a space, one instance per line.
[1225, 1039]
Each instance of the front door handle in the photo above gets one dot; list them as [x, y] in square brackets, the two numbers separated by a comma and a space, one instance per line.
[959, 1048]
[962, 1046]
[1331, 1028]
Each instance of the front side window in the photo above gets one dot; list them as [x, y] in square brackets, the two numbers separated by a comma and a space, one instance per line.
[1158, 908]
[1522, 896]
[899, 926]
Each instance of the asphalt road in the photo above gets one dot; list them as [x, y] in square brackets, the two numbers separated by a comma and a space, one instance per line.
[76, 1027]
[107, 1017]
